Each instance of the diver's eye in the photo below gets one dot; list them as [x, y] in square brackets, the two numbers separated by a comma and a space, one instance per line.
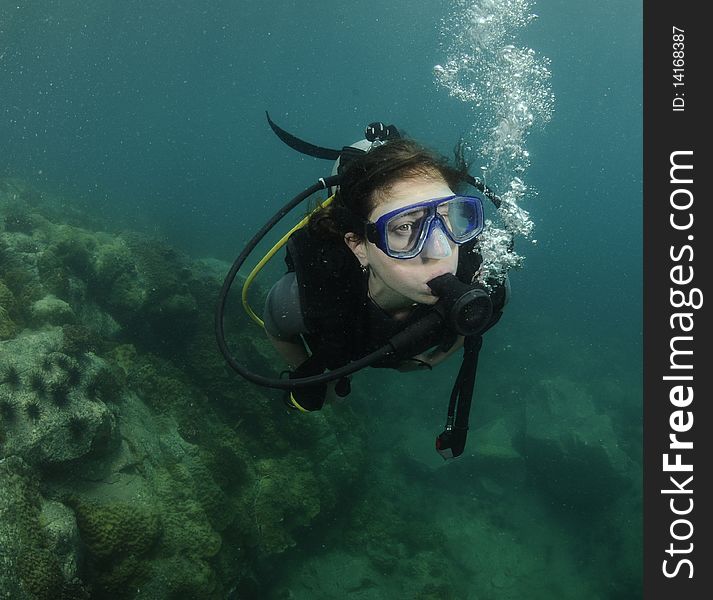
[402, 228]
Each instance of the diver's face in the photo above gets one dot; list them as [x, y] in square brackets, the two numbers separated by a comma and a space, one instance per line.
[401, 282]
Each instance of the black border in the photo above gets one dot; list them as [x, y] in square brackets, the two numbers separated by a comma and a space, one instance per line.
[666, 131]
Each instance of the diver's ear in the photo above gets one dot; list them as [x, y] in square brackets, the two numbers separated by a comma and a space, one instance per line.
[357, 246]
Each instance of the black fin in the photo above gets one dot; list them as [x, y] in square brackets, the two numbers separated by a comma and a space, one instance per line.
[302, 146]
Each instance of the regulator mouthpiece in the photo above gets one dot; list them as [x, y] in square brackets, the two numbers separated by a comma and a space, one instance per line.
[467, 308]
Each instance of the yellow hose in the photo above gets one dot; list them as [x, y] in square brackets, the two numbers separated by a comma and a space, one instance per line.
[268, 256]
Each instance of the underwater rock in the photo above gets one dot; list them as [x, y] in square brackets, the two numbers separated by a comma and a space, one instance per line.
[286, 496]
[493, 442]
[7, 326]
[118, 535]
[570, 449]
[144, 285]
[499, 467]
[74, 251]
[18, 218]
[179, 577]
[78, 340]
[29, 569]
[118, 285]
[177, 474]
[7, 298]
[52, 435]
[53, 419]
[117, 528]
[60, 528]
[50, 310]
[147, 512]
[164, 314]
[7, 303]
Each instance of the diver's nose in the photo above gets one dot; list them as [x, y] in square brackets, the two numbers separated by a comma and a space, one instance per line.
[437, 244]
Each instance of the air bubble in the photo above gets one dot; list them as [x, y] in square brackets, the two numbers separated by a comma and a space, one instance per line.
[507, 89]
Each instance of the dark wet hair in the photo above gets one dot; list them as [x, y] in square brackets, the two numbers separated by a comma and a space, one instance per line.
[369, 177]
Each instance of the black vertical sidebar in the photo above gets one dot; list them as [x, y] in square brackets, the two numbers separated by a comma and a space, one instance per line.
[678, 350]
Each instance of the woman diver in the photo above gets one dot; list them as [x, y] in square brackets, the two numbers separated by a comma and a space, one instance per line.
[385, 273]
[396, 223]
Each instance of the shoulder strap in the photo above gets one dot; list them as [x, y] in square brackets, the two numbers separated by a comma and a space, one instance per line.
[332, 296]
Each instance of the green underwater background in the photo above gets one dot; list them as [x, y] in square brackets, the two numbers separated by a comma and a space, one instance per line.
[136, 162]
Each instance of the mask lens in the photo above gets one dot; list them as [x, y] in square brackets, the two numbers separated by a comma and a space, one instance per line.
[402, 233]
[463, 217]
[404, 230]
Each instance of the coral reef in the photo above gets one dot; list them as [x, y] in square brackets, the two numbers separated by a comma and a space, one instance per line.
[153, 474]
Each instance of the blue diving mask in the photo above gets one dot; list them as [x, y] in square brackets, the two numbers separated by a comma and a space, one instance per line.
[405, 232]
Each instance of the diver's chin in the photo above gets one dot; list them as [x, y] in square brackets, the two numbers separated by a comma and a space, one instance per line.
[428, 298]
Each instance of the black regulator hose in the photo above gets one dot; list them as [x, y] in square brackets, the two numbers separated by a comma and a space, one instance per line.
[284, 384]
